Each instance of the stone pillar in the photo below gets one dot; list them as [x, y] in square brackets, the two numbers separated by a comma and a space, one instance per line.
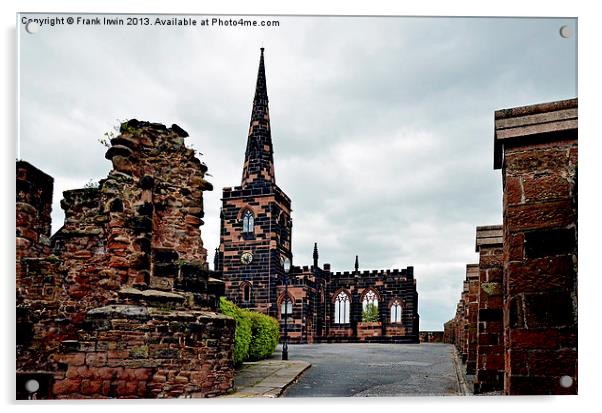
[464, 322]
[472, 311]
[536, 148]
[33, 207]
[490, 330]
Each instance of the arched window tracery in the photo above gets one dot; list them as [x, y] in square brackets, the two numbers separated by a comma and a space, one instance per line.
[341, 308]
[370, 306]
[248, 223]
[396, 312]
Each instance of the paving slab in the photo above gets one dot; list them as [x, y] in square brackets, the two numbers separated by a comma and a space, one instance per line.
[266, 378]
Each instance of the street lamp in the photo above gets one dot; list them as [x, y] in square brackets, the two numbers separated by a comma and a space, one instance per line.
[286, 266]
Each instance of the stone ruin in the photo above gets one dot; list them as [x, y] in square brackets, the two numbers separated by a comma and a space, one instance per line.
[119, 303]
[515, 325]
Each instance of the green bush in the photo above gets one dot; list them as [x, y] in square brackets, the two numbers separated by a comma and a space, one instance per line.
[242, 335]
[265, 335]
[370, 314]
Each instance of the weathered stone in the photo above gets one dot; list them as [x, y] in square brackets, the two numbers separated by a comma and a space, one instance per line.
[119, 311]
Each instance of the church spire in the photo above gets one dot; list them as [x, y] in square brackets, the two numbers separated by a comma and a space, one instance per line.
[258, 168]
[357, 264]
[316, 256]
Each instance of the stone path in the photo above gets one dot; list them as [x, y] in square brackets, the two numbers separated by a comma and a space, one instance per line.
[342, 370]
[267, 378]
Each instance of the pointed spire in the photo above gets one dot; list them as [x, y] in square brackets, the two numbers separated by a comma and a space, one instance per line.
[357, 264]
[259, 159]
[216, 260]
[316, 256]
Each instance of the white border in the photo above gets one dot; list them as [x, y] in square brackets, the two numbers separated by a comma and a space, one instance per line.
[590, 274]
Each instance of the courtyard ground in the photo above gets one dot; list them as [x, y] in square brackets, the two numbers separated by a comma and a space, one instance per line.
[342, 370]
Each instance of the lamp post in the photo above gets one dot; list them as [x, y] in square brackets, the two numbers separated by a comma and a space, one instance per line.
[286, 266]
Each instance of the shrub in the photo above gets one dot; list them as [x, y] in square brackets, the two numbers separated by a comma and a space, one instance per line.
[265, 334]
[370, 314]
[242, 334]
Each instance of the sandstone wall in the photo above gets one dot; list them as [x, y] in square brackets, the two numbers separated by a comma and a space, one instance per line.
[539, 171]
[126, 306]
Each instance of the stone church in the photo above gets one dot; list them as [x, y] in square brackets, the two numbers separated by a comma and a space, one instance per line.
[322, 305]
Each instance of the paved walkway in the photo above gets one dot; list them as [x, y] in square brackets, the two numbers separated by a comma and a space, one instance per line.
[267, 378]
[342, 370]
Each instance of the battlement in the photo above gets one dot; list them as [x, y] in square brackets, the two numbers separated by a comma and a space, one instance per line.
[267, 189]
[406, 273]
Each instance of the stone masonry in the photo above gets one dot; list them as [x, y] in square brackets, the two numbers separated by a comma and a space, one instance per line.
[527, 296]
[538, 150]
[490, 329]
[120, 303]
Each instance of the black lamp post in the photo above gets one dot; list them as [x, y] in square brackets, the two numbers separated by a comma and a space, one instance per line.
[286, 266]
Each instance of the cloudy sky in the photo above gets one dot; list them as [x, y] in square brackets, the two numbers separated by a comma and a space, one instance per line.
[382, 127]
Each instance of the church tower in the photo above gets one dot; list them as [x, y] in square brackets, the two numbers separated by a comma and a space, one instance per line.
[256, 221]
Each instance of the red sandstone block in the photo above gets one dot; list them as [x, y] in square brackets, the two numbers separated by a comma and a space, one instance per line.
[73, 359]
[85, 372]
[514, 247]
[118, 354]
[516, 362]
[539, 215]
[142, 374]
[96, 359]
[131, 387]
[121, 388]
[67, 386]
[550, 158]
[105, 373]
[72, 372]
[552, 363]
[89, 387]
[546, 187]
[567, 338]
[513, 191]
[534, 339]
[118, 262]
[141, 389]
[539, 275]
[494, 362]
[490, 261]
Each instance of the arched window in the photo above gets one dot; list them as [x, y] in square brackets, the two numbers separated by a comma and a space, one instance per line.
[341, 308]
[246, 292]
[370, 307]
[286, 306]
[248, 223]
[396, 312]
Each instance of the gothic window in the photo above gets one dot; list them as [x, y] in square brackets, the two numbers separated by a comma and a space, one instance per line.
[341, 308]
[396, 312]
[246, 292]
[370, 307]
[286, 307]
[248, 223]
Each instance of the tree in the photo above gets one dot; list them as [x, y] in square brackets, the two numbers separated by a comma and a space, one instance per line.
[370, 313]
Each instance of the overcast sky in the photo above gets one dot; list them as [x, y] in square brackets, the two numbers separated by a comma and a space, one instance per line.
[382, 127]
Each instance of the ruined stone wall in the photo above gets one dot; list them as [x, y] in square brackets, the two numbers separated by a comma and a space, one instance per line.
[527, 295]
[33, 207]
[490, 329]
[126, 306]
[432, 336]
[537, 147]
